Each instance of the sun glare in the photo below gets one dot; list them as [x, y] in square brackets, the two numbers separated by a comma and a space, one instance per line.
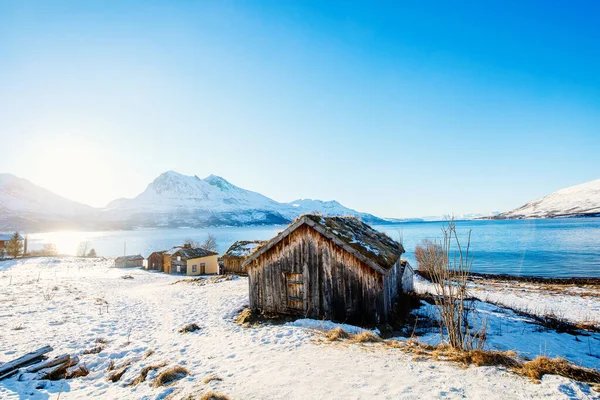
[73, 169]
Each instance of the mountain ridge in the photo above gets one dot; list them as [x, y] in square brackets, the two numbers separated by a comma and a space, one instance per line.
[573, 201]
[170, 200]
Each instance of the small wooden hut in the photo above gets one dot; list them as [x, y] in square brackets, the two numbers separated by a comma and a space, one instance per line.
[155, 261]
[337, 268]
[129, 261]
[237, 253]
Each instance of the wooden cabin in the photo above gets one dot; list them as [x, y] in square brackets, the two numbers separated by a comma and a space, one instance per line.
[237, 253]
[129, 261]
[337, 268]
[187, 260]
[154, 262]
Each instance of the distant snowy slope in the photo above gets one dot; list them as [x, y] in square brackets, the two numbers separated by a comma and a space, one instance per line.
[21, 198]
[327, 208]
[576, 200]
[173, 199]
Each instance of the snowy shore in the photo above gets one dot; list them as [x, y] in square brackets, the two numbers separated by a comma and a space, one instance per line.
[68, 303]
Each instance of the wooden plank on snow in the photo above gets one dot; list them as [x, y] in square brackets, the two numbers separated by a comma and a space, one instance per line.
[23, 360]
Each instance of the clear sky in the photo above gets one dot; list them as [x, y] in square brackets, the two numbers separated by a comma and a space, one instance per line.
[401, 109]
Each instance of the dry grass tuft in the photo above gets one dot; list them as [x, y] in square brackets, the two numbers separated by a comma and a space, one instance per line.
[211, 378]
[116, 375]
[101, 341]
[111, 365]
[148, 353]
[336, 334]
[477, 357]
[542, 365]
[170, 375]
[127, 277]
[189, 328]
[144, 373]
[245, 317]
[214, 396]
[365, 337]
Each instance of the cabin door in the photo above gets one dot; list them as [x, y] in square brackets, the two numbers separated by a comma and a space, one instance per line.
[295, 291]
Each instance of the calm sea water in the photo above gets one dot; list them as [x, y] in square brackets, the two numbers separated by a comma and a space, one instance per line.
[548, 248]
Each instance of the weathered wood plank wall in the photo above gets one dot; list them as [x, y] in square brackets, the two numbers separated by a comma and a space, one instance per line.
[335, 284]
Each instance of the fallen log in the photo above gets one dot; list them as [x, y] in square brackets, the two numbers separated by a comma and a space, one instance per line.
[57, 372]
[50, 363]
[27, 359]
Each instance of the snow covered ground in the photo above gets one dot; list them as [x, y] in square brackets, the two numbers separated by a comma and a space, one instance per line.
[506, 330]
[69, 303]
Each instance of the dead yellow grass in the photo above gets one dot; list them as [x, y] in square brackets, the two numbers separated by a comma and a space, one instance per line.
[214, 396]
[148, 353]
[542, 365]
[211, 378]
[144, 373]
[365, 337]
[336, 334]
[245, 317]
[170, 375]
[116, 375]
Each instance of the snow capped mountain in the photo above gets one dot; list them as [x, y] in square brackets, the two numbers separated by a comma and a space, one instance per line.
[170, 200]
[24, 204]
[327, 208]
[576, 200]
[174, 199]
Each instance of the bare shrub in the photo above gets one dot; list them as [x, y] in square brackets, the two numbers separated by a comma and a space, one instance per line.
[48, 294]
[170, 375]
[210, 243]
[449, 266]
[82, 249]
[428, 254]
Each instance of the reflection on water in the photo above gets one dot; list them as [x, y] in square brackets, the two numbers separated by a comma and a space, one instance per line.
[551, 248]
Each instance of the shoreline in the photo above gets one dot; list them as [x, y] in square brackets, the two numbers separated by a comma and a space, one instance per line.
[477, 276]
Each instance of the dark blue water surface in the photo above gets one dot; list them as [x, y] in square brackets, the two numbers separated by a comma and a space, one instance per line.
[567, 247]
[547, 248]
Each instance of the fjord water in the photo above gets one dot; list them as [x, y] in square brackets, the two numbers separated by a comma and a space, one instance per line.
[547, 248]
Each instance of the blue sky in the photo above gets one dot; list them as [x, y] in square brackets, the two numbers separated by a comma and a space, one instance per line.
[401, 109]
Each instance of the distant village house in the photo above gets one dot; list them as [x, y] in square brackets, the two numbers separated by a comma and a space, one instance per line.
[187, 260]
[337, 268]
[237, 254]
[155, 261]
[129, 261]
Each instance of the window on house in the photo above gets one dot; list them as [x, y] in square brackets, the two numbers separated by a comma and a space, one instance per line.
[178, 258]
[194, 268]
